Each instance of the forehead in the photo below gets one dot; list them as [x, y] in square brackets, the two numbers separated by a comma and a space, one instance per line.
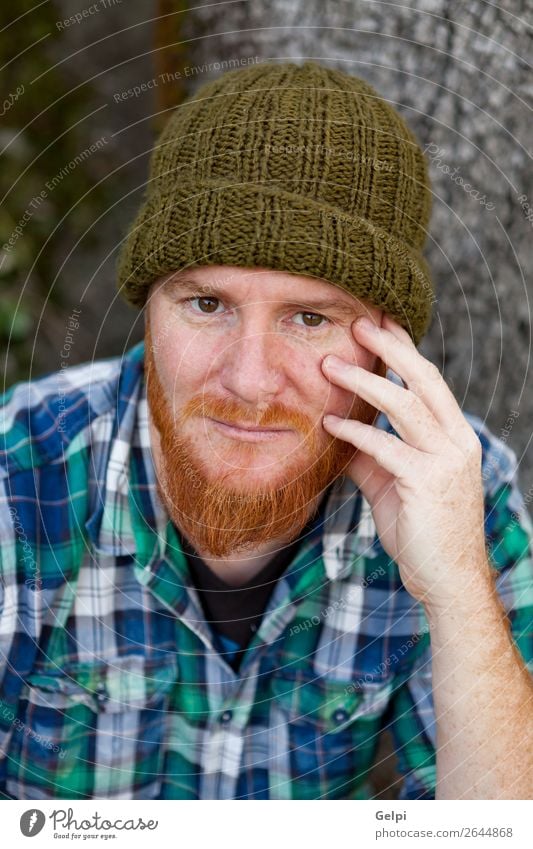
[264, 284]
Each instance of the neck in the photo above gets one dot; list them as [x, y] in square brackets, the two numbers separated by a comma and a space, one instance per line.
[240, 567]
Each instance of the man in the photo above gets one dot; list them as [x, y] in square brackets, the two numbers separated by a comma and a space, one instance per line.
[268, 533]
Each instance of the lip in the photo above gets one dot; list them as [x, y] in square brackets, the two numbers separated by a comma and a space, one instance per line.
[249, 434]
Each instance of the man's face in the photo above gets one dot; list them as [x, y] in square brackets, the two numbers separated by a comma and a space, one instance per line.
[237, 396]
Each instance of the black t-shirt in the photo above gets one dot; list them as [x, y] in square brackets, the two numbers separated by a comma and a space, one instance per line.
[235, 613]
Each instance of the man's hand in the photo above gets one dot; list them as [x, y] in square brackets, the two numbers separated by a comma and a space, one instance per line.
[425, 489]
[426, 494]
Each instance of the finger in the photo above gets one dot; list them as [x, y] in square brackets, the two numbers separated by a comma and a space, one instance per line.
[419, 375]
[368, 476]
[388, 323]
[389, 452]
[406, 412]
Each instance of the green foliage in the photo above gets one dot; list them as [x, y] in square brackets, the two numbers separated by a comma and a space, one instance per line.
[45, 170]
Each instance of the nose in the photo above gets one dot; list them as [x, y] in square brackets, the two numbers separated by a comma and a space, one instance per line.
[251, 368]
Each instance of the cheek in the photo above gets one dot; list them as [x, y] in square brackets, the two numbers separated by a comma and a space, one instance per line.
[183, 367]
[183, 357]
[351, 351]
[319, 394]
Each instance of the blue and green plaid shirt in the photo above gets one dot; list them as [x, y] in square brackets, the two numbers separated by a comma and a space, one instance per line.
[111, 685]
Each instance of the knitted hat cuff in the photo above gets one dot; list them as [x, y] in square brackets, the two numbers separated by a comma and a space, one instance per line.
[305, 237]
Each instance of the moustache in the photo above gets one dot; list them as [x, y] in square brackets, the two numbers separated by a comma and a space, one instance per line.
[230, 411]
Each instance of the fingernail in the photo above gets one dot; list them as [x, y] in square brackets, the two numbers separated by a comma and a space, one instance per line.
[366, 323]
[331, 361]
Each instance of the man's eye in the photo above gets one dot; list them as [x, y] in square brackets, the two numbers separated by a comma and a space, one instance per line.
[207, 302]
[208, 306]
[315, 319]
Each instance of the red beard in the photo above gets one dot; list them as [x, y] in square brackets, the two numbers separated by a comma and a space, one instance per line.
[218, 516]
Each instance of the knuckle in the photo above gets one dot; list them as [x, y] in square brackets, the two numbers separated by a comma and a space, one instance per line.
[432, 371]
[473, 445]
[410, 402]
[392, 343]
[468, 453]
[455, 465]
[389, 443]
[416, 387]
[386, 447]
[397, 344]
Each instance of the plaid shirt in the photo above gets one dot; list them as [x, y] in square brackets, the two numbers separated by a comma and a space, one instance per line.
[110, 683]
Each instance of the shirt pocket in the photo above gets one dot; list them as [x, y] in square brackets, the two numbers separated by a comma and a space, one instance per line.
[93, 730]
[330, 731]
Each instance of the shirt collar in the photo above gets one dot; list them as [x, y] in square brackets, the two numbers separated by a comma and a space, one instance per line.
[128, 518]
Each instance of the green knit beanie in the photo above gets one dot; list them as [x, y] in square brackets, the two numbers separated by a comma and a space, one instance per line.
[297, 168]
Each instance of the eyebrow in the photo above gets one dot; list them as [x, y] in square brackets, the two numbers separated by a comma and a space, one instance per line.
[183, 286]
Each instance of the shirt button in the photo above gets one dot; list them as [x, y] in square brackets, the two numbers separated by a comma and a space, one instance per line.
[340, 715]
[101, 692]
[226, 717]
